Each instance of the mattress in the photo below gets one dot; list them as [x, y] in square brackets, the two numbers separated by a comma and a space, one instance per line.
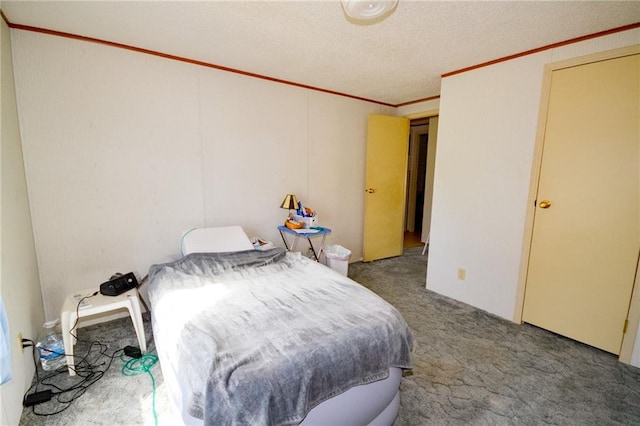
[257, 337]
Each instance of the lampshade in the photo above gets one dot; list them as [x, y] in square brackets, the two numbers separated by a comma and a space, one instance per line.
[368, 10]
[290, 202]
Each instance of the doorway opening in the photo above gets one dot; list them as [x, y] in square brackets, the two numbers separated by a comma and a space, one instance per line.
[390, 223]
[416, 182]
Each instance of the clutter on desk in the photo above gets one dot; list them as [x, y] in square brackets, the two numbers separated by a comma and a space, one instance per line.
[290, 203]
[307, 216]
[260, 244]
[291, 223]
[299, 216]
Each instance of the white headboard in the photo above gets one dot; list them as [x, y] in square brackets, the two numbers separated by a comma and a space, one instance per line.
[215, 240]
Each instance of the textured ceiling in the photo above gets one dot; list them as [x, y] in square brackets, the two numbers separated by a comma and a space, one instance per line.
[311, 42]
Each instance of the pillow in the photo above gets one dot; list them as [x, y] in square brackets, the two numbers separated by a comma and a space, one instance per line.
[215, 240]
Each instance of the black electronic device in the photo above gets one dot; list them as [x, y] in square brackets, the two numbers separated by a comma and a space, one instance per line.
[118, 284]
[37, 398]
[132, 352]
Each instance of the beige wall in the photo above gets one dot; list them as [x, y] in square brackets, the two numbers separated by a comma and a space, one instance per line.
[488, 122]
[125, 151]
[19, 283]
[419, 109]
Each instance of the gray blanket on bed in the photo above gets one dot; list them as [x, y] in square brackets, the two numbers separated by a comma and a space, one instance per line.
[262, 337]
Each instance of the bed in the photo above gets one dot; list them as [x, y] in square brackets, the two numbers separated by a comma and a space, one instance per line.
[246, 336]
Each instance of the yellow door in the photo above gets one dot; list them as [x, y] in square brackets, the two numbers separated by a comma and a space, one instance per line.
[386, 174]
[586, 233]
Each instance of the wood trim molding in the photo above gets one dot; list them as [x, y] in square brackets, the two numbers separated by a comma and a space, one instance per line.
[595, 57]
[431, 98]
[300, 85]
[423, 114]
[183, 59]
[543, 48]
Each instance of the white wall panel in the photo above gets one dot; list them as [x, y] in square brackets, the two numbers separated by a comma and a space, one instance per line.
[337, 153]
[112, 156]
[486, 135]
[418, 108]
[19, 283]
[125, 151]
[594, 45]
[254, 136]
[488, 120]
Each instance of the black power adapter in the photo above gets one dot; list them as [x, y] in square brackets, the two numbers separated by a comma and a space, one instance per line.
[132, 351]
[37, 398]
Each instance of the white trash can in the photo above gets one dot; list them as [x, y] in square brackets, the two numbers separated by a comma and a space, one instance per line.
[338, 258]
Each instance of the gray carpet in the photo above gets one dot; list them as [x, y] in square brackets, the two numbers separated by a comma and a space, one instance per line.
[470, 367]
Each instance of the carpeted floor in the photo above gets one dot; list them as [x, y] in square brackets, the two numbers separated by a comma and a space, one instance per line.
[470, 368]
[114, 399]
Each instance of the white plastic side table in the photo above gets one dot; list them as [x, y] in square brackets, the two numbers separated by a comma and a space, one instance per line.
[99, 303]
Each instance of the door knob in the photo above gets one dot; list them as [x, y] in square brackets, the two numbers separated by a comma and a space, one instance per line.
[370, 190]
[545, 204]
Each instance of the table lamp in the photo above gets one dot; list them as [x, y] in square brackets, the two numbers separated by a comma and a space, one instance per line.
[290, 203]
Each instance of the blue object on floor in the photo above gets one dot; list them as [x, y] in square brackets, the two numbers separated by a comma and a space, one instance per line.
[5, 347]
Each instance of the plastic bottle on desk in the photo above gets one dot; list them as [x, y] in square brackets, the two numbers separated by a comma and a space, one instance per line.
[51, 347]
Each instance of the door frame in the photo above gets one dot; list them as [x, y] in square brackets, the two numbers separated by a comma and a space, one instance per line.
[633, 317]
[412, 167]
[415, 116]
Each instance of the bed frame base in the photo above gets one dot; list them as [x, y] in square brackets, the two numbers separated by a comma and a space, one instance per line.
[373, 404]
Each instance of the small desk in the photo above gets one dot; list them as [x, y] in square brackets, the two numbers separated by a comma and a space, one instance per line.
[98, 304]
[304, 233]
